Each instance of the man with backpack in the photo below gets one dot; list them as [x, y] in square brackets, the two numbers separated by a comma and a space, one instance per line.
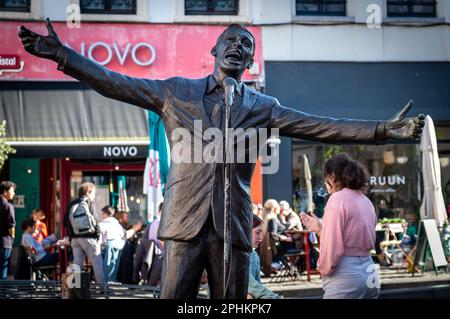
[84, 231]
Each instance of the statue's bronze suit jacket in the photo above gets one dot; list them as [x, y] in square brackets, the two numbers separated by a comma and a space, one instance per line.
[193, 190]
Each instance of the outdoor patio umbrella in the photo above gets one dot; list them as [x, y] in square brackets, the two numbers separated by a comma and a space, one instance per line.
[307, 172]
[156, 166]
[122, 202]
[433, 206]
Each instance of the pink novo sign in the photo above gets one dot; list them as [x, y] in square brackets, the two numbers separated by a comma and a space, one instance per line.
[142, 50]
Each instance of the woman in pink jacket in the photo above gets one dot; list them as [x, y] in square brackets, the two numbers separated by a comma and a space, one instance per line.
[347, 233]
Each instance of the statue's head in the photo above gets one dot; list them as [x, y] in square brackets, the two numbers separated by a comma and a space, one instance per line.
[234, 50]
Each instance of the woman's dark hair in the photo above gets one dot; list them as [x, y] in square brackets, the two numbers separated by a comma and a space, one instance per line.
[27, 223]
[346, 172]
[6, 186]
[257, 221]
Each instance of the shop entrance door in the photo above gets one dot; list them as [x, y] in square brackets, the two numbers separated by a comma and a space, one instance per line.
[118, 185]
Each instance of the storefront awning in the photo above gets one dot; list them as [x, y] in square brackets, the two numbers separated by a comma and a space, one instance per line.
[56, 119]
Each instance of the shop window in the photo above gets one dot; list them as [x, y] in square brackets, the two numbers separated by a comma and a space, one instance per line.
[443, 138]
[394, 183]
[321, 7]
[108, 6]
[444, 159]
[211, 7]
[443, 133]
[121, 190]
[411, 8]
[15, 5]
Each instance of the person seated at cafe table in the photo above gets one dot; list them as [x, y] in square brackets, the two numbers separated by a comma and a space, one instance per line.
[277, 231]
[293, 228]
[289, 218]
[40, 228]
[256, 290]
[36, 248]
[274, 225]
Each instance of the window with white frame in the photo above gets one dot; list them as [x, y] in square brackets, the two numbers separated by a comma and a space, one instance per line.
[108, 6]
[411, 8]
[211, 7]
[15, 5]
[321, 7]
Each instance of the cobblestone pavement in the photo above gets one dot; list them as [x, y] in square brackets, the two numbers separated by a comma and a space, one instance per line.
[390, 279]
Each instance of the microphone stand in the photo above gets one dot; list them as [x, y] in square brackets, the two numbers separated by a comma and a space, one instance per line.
[229, 84]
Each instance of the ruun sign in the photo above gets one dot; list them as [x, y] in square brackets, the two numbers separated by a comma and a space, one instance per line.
[386, 184]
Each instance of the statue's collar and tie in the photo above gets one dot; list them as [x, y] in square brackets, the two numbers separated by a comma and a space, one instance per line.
[212, 84]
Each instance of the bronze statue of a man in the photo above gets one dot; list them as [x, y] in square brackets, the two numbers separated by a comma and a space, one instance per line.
[192, 219]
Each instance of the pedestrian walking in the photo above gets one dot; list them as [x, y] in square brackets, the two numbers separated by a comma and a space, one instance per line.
[84, 231]
[112, 237]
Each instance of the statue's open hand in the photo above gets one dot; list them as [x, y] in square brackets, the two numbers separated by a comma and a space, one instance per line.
[39, 45]
[399, 127]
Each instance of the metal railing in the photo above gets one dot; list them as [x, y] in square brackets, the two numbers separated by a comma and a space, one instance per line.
[119, 291]
[28, 289]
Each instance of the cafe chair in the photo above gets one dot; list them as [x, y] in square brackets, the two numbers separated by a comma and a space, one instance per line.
[290, 266]
[44, 273]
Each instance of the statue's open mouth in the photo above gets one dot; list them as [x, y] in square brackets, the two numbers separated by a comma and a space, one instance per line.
[234, 56]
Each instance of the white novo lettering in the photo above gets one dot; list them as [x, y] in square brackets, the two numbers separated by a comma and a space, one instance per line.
[132, 151]
[106, 151]
[82, 49]
[121, 57]
[113, 50]
[116, 151]
[145, 45]
[108, 49]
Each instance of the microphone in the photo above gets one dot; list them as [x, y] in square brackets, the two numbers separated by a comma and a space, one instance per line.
[229, 86]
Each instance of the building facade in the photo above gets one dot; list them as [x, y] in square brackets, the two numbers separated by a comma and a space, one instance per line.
[347, 58]
[360, 59]
[64, 132]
